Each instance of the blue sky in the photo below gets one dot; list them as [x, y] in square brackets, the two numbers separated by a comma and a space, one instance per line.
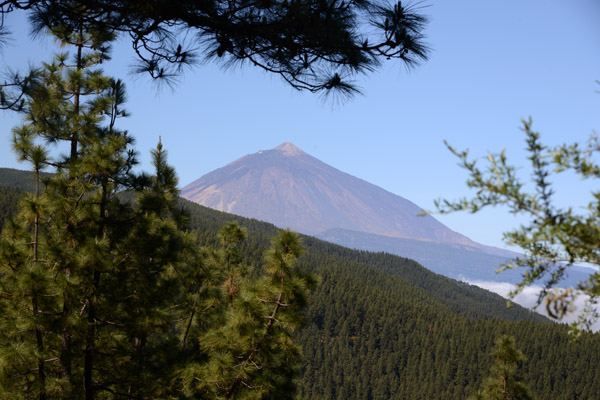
[492, 63]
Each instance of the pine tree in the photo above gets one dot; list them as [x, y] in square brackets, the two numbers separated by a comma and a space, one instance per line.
[314, 45]
[54, 253]
[104, 293]
[250, 353]
[555, 238]
[503, 382]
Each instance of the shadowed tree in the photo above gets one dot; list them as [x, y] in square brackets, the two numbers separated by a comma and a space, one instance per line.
[104, 294]
[315, 45]
[251, 353]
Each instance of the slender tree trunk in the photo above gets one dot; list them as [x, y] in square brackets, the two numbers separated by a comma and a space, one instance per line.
[36, 219]
[88, 376]
[65, 350]
[65, 355]
[38, 332]
[76, 95]
[40, 349]
[140, 345]
[187, 329]
[88, 368]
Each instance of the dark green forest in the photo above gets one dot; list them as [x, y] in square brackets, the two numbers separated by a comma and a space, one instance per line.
[381, 326]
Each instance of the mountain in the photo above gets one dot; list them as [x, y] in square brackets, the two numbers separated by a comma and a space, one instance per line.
[290, 188]
[451, 260]
[458, 262]
[379, 326]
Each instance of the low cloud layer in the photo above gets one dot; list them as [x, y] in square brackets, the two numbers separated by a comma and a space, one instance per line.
[529, 297]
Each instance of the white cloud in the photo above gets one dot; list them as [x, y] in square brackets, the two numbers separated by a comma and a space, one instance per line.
[528, 297]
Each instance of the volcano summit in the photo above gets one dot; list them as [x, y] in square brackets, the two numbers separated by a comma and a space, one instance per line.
[289, 188]
[292, 189]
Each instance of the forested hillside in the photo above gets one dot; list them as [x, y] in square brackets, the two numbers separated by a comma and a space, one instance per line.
[9, 198]
[12, 183]
[382, 327]
[18, 179]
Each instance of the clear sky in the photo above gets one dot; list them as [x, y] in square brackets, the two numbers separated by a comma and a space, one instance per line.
[492, 63]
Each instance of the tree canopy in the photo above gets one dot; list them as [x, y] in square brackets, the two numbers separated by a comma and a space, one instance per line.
[105, 296]
[104, 291]
[314, 45]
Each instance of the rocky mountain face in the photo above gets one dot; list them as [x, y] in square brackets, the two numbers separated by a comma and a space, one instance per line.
[291, 189]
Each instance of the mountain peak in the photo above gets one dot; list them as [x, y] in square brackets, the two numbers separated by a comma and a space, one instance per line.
[307, 195]
[289, 149]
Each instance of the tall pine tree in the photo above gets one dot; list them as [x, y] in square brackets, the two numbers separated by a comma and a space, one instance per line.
[104, 294]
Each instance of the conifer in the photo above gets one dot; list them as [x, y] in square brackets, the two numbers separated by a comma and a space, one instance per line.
[104, 293]
[503, 382]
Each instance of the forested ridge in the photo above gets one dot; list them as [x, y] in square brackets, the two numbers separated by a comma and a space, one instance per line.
[382, 327]
[9, 199]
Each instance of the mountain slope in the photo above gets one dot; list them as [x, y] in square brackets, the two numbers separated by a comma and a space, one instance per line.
[454, 261]
[18, 179]
[381, 326]
[290, 188]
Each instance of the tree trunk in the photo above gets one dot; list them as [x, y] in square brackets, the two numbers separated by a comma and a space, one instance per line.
[38, 332]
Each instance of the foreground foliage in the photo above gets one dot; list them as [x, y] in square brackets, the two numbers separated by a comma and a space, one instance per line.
[109, 296]
[554, 238]
[314, 45]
